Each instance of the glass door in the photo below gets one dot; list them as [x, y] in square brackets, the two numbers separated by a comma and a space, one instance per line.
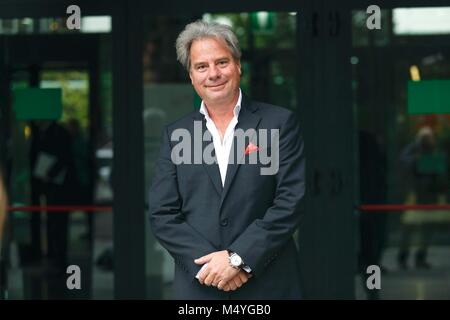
[59, 158]
[400, 86]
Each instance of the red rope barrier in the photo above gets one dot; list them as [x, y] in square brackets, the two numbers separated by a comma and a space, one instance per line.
[60, 208]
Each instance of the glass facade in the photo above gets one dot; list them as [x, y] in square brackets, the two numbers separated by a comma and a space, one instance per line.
[90, 24]
[56, 164]
[403, 152]
[399, 82]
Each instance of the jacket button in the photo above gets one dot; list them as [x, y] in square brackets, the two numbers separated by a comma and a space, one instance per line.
[224, 222]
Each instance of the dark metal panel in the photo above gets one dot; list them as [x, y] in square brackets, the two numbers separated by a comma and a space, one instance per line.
[327, 235]
[201, 6]
[128, 178]
[52, 8]
[4, 106]
[341, 142]
[55, 8]
[387, 4]
[5, 162]
[38, 49]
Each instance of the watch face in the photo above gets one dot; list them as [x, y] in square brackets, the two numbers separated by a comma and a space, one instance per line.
[236, 260]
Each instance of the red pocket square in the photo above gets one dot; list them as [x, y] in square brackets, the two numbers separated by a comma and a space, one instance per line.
[251, 148]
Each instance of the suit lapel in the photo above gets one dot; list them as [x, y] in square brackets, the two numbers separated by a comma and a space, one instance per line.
[211, 169]
[247, 119]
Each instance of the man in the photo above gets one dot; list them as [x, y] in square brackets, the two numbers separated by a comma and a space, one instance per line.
[228, 224]
[52, 166]
[426, 182]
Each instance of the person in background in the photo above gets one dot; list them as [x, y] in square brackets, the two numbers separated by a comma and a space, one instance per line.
[53, 176]
[82, 181]
[426, 182]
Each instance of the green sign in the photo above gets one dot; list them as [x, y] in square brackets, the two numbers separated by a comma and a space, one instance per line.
[429, 97]
[37, 104]
[262, 21]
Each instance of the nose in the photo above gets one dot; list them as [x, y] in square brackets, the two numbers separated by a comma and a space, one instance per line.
[214, 73]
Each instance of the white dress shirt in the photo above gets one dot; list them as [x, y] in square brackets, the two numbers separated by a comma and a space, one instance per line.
[222, 147]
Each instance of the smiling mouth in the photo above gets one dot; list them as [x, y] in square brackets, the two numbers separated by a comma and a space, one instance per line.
[216, 86]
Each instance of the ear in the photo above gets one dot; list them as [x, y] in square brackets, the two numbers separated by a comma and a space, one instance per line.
[239, 67]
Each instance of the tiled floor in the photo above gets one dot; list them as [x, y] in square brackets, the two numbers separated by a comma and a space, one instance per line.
[412, 283]
[396, 283]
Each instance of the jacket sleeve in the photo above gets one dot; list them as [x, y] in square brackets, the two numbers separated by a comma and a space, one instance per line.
[167, 221]
[263, 238]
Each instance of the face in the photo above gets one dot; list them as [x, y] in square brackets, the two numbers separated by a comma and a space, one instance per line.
[214, 73]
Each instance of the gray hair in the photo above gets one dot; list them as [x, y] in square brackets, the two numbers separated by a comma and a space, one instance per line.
[200, 30]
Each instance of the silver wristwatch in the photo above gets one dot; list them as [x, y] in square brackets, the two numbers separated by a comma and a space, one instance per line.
[235, 260]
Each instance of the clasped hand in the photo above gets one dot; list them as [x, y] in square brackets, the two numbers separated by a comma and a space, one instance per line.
[219, 273]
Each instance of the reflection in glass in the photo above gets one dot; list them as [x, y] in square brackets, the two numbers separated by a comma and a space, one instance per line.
[404, 153]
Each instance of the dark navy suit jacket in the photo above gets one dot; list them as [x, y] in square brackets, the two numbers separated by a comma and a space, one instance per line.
[255, 215]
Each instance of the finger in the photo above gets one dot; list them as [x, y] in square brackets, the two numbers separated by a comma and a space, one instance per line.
[226, 288]
[204, 259]
[215, 281]
[222, 284]
[202, 276]
[209, 279]
[237, 281]
[243, 277]
[233, 286]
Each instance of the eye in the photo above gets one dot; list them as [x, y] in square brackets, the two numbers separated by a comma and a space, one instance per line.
[201, 68]
[223, 62]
